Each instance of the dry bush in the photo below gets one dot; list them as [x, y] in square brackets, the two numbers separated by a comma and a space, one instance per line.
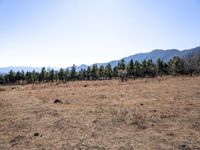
[118, 115]
[130, 117]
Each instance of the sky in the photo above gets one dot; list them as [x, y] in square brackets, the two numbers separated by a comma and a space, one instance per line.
[60, 33]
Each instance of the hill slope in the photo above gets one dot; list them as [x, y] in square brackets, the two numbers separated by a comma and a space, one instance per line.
[165, 55]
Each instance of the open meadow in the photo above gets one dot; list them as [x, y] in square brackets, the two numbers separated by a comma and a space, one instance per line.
[148, 113]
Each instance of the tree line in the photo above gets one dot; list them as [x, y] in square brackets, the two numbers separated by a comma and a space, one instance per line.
[189, 65]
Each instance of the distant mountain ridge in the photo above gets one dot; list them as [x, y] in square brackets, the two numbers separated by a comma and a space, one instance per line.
[165, 55]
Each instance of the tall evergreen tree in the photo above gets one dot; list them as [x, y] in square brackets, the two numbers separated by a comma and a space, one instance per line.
[33, 76]
[94, 72]
[18, 76]
[115, 71]
[22, 75]
[56, 75]
[121, 65]
[6, 79]
[85, 74]
[150, 68]
[131, 69]
[2, 79]
[102, 72]
[73, 73]
[28, 77]
[43, 74]
[160, 67]
[138, 69]
[88, 73]
[61, 74]
[37, 77]
[11, 76]
[81, 74]
[52, 75]
[176, 66]
[109, 71]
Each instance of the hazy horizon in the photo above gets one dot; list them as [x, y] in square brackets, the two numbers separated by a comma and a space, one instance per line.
[61, 33]
[54, 67]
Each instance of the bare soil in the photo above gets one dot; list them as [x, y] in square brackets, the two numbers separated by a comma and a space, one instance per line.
[158, 113]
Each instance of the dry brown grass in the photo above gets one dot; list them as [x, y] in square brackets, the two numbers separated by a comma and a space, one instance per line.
[138, 114]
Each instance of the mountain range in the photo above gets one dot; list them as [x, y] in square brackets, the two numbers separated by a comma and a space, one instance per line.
[165, 55]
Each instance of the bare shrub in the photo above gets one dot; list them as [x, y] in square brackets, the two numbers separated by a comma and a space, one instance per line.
[129, 117]
[119, 115]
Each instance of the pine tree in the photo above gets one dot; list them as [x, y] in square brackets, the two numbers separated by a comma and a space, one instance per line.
[80, 74]
[11, 76]
[115, 71]
[61, 74]
[43, 74]
[2, 79]
[51, 75]
[6, 79]
[18, 76]
[138, 69]
[28, 77]
[22, 75]
[73, 73]
[101, 72]
[144, 68]
[176, 66]
[88, 73]
[37, 76]
[131, 69]
[109, 71]
[56, 75]
[33, 76]
[94, 72]
[121, 65]
[160, 67]
[150, 68]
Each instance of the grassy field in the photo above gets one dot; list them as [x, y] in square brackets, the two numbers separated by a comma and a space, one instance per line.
[158, 113]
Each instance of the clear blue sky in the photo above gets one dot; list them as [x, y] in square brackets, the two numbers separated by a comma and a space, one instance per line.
[64, 32]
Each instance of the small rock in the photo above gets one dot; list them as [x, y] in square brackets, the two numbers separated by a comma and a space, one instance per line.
[183, 147]
[141, 104]
[36, 134]
[67, 102]
[57, 101]
[85, 85]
